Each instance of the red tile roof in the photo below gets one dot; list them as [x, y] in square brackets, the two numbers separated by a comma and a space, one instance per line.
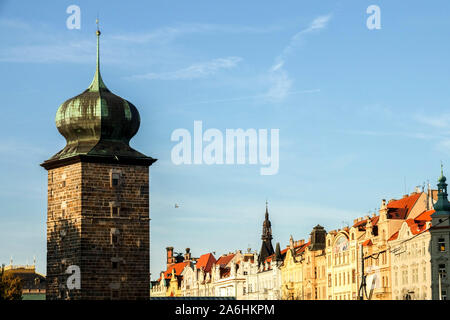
[362, 224]
[224, 260]
[179, 267]
[205, 262]
[400, 209]
[415, 227]
[425, 216]
[393, 237]
[367, 243]
[302, 247]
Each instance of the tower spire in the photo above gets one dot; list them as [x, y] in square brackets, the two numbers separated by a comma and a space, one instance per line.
[97, 83]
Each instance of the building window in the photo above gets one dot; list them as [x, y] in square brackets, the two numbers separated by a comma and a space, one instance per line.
[441, 245]
[115, 178]
[444, 294]
[405, 277]
[115, 264]
[442, 271]
[415, 275]
[115, 294]
[63, 209]
[353, 276]
[115, 209]
[115, 236]
[329, 280]
[63, 178]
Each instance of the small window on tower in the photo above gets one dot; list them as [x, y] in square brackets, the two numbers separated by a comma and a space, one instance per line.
[442, 271]
[115, 236]
[63, 209]
[441, 244]
[115, 265]
[115, 179]
[115, 294]
[63, 178]
[115, 209]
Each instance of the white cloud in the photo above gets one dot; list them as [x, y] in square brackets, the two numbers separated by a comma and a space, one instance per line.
[281, 84]
[195, 71]
[166, 34]
[279, 79]
[317, 24]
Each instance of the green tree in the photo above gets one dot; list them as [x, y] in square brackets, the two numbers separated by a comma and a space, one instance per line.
[10, 286]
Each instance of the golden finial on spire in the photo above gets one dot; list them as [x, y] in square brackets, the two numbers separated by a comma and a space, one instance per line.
[98, 27]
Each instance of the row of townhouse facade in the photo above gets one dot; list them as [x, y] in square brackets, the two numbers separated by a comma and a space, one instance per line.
[400, 252]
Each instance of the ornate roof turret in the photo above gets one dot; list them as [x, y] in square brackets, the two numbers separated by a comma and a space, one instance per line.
[98, 123]
[442, 205]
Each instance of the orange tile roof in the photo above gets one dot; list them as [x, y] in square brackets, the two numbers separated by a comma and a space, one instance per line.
[425, 216]
[400, 209]
[179, 267]
[367, 243]
[415, 227]
[302, 247]
[224, 260]
[362, 224]
[393, 237]
[205, 262]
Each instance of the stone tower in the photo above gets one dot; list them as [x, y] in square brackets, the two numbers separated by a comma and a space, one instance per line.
[266, 246]
[98, 200]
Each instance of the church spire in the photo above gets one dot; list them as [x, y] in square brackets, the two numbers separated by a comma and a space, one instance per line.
[266, 237]
[97, 83]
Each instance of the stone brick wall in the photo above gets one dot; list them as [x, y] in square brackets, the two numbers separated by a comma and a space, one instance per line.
[101, 227]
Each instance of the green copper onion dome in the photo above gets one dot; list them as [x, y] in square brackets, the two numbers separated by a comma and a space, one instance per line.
[97, 122]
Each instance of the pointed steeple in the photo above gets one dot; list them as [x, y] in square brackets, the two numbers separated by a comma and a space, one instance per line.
[278, 256]
[267, 227]
[266, 237]
[267, 210]
[97, 83]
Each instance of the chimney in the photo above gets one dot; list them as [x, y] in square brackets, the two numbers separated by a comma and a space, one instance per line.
[187, 255]
[170, 257]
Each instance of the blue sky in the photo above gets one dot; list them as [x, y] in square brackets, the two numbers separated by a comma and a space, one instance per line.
[362, 113]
